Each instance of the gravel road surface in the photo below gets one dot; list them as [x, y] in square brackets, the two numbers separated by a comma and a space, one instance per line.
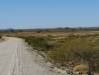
[16, 58]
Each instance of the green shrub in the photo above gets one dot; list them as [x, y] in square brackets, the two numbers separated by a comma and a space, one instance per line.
[39, 43]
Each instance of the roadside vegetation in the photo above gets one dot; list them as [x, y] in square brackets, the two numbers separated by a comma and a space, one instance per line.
[73, 50]
[64, 46]
[39, 43]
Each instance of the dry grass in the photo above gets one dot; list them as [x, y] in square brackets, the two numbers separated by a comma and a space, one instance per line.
[56, 33]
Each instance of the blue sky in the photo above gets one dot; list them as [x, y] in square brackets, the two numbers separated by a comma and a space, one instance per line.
[48, 13]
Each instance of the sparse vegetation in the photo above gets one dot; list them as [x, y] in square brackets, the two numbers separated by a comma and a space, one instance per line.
[39, 43]
[65, 46]
[75, 49]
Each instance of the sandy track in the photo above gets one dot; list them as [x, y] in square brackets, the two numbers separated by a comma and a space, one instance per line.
[17, 59]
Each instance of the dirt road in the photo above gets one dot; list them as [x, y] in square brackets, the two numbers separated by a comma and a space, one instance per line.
[16, 58]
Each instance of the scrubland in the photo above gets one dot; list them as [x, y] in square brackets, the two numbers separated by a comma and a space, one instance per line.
[64, 48]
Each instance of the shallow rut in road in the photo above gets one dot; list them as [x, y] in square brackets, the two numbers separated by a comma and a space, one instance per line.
[16, 58]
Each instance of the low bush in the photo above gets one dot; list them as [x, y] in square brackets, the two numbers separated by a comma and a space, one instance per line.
[39, 43]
